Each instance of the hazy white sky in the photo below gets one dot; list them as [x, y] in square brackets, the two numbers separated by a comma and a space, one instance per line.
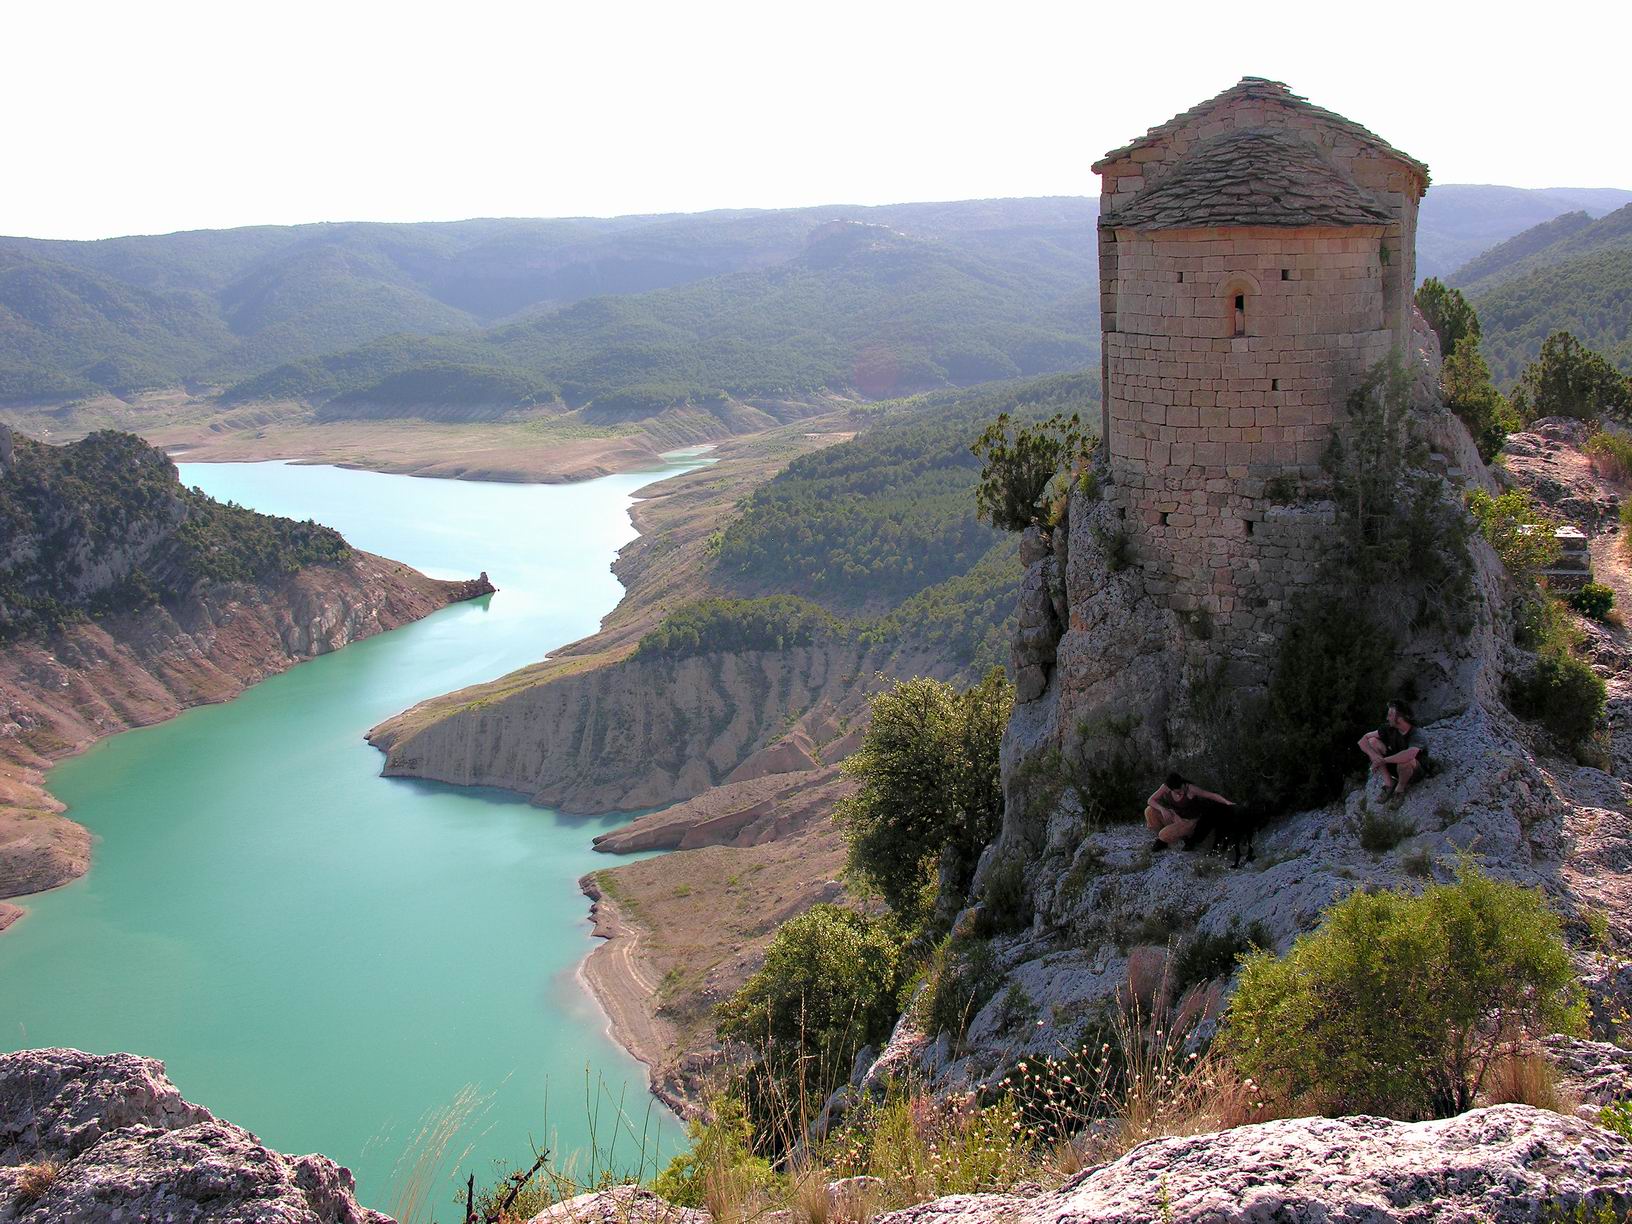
[164, 115]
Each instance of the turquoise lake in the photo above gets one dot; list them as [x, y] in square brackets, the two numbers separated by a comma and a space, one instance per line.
[381, 970]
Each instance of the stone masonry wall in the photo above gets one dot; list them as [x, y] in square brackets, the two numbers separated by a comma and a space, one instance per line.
[1390, 181]
[1199, 420]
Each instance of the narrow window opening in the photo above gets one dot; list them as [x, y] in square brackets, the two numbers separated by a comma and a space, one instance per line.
[1249, 526]
[1164, 518]
[1286, 273]
[1181, 278]
[1274, 384]
[1240, 314]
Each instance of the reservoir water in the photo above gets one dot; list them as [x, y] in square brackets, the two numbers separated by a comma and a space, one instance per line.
[381, 970]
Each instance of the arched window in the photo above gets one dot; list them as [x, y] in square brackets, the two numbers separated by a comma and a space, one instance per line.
[1236, 299]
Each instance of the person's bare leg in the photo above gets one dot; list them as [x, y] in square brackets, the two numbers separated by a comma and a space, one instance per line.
[1176, 831]
[1373, 748]
[1407, 769]
[1154, 820]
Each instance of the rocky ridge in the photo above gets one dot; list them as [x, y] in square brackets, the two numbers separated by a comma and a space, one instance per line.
[108, 1137]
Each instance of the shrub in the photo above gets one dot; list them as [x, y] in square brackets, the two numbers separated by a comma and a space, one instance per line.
[1448, 313]
[930, 794]
[1380, 832]
[1611, 454]
[1563, 694]
[961, 979]
[1519, 530]
[1210, 955]
[718, 1163]
[1398, 1004]
[1019, 467]
[1595, 600]
[1006, 900]
[1617, 1117]
[830, 984]
[1469, 391]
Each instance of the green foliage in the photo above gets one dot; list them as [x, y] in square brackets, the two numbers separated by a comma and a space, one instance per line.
[1006, 902]
[962, 977]
[1617, 1117]
[707, 626]
[1594, 599]
[1585, 294]
[1448, 313]
[1466, 384]
[1563, 694]
[1569, 380]
[1396, 530]
[1611, 454]
[930, 795]
[1209, 956]
[830, 984]
[102, 526]
[1380, 832]
[1518, 529]
[1332, 679]
[1022, 464]
[721, 1143]
[1398, 1003]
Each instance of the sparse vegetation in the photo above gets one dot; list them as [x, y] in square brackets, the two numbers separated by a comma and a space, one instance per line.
[1401, 1004]
[707, 626]
[1594, 599]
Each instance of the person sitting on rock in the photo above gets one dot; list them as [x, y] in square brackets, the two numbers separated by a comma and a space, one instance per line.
[1170, 813]
[1397, 749]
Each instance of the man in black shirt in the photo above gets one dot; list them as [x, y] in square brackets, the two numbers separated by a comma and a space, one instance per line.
[1397, 750]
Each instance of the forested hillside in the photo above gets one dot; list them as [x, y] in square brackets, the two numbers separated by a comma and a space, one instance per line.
[1460, 220]
[222, 307]
[104, 525]
[1571, 274]
[882, 531]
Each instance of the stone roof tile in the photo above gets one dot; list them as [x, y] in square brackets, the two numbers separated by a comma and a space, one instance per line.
[1252, 177]
[1260, 89]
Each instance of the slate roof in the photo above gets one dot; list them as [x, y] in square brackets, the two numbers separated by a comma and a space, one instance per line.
[1259, 89]
[1250, 177]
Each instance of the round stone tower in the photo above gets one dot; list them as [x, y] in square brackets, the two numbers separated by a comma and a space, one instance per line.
[1257, 258]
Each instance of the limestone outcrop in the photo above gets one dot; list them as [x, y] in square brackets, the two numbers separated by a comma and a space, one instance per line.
[1509, 1163]
[108, 1137]
[644, 733]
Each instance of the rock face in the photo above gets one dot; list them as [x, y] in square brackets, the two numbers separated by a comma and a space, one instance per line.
[643, 733]
[124, 1145]
[60, 694]
[1509, 1163]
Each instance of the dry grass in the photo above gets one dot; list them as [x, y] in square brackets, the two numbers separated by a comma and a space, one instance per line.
[35, 1180]
[1526, 1077]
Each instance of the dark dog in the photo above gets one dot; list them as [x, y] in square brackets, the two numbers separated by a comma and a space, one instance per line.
[1230, 827]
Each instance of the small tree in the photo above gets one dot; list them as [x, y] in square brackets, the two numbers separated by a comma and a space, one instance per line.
[1518, 529]
[1399, 1004]
[1448, 313]
[1018, 467]
[1569, 379]
[930, 792]
[1470, 393]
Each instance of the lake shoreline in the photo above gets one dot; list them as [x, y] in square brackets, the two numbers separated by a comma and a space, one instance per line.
[142, 669]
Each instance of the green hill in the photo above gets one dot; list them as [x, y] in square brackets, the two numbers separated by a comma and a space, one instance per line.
[1572, 274]
[258, 306]
[103, 525]
[1460, 220]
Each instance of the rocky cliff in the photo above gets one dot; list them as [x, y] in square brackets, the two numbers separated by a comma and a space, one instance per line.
[643, 733]
[125, 598]
[108, 1137]
[1102, 912]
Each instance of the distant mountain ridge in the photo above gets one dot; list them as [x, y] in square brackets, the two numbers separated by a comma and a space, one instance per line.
[616, 319]
[1573, 273]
